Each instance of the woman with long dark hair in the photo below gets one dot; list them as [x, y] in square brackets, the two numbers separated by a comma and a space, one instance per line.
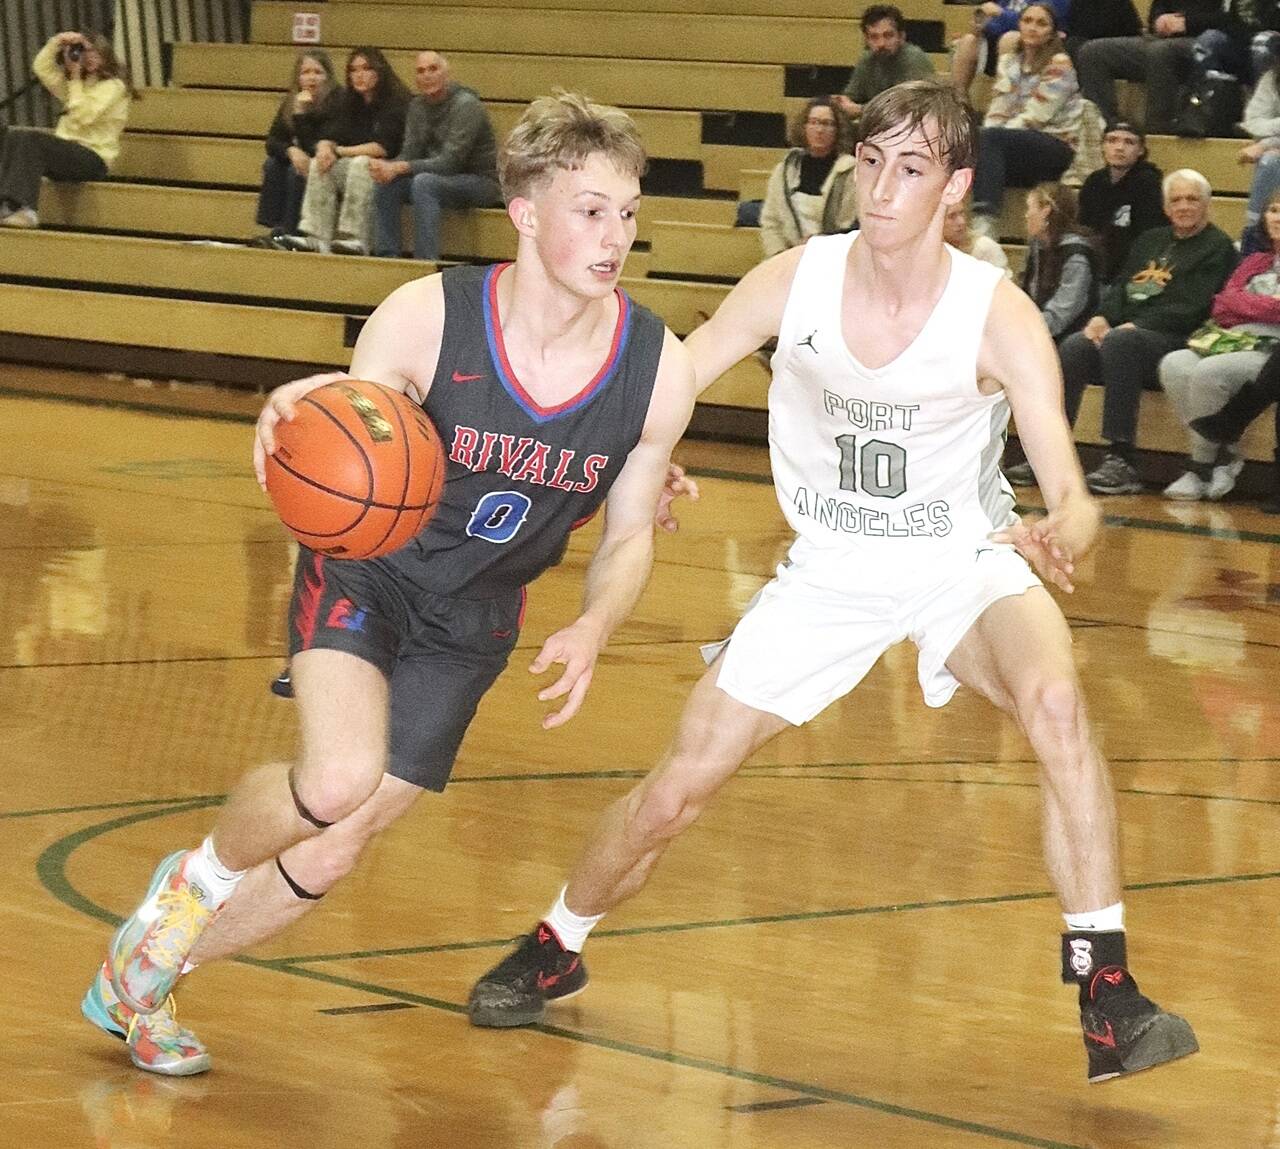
[1061, 271]
[367, 122]
[1033, 123]
[81, 72]
[291, 141]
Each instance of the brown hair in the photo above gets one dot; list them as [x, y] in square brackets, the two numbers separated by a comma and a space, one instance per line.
[795, 135]
[933, 105]
[1050, 48]
[1061, 202]
[558, 133]
[111, 67]
[321, 57]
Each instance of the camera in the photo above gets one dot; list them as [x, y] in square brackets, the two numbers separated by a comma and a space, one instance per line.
[72, 53]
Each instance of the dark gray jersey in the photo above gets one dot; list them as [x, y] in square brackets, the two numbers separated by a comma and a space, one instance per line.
[520, 476]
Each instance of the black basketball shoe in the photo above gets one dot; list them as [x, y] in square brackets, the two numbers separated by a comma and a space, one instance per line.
[517, 989]
[282, 684]
[1124, 1031]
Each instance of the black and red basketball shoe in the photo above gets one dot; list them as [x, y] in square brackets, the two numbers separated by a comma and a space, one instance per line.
[1125, 1031]
[516, 991]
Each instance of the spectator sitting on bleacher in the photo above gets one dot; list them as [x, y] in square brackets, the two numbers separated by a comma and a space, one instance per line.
[977, 50]
[1221, 358]
[957, 232]
[449, 158]
[1061, 270]
[1033, 122]
[887, 59]
[1163, 293]
[1099, 20]
[291, 142]
[367, 122]
[81, 71]
[1161, 59]
[1243, 43]
[1262, 121]
[1225, 427]
[1122, 200]
[811, 190]
[1061, 274]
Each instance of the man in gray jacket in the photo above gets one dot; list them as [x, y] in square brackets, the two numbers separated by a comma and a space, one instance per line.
[448, 159]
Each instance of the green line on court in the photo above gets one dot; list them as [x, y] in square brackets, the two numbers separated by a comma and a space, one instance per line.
[51, 868]
[94, 807]
[700, 1064]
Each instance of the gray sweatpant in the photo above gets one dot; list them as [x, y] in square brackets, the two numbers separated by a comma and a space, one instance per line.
[1199, 385]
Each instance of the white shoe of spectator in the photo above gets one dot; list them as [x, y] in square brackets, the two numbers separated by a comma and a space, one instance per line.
[303, 243]
[24, 217]
[1186, 488]
[1224, 479]
[348, 247]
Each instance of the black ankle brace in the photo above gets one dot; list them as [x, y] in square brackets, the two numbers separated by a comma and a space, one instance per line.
[305, 895]
[303, 813]
[1084, 952]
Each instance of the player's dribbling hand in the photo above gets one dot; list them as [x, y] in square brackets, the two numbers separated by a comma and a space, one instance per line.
[678, 483]
[280, 405]
[575, 648]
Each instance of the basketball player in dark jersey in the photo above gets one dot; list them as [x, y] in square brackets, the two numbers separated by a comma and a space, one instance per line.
[551, 390]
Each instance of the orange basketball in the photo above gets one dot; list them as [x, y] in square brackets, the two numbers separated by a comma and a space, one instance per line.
[357, 472]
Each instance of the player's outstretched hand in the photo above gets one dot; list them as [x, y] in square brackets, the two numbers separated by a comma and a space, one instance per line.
[280, 405]
[1054, 543]
[678, 483]
[576, 649]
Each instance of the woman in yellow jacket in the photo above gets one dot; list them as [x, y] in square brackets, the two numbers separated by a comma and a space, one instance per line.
[82, 73]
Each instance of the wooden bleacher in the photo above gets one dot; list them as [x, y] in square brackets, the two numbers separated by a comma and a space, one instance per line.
[686, 69]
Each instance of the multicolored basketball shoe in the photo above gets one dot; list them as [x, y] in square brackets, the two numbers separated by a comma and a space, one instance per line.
[157, 1043]
[149, 949]
[517, 989]
[1125, 1031]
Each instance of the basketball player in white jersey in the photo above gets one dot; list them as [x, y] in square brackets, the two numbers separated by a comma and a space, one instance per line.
[898, 361]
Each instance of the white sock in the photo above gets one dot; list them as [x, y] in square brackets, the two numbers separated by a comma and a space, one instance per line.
[1105, 920]
[570, 928]
[204, 868]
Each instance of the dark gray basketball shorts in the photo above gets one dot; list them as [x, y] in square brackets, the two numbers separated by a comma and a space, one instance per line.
[439, 654]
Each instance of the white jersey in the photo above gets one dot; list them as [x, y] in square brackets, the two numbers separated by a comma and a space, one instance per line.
[893, 465]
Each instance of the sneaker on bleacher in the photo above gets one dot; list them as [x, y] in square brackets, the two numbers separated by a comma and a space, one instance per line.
[24, 217]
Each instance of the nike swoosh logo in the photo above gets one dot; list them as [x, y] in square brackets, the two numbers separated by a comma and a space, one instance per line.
[465, 378]
[547, 980]
[1107, 1039]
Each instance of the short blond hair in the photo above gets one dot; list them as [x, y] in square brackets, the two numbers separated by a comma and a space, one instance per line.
[559, 133]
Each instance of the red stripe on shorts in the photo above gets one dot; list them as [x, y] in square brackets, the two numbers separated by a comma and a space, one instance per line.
[309, 601]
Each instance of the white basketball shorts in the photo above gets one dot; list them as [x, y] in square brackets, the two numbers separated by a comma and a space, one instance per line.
[801, 645]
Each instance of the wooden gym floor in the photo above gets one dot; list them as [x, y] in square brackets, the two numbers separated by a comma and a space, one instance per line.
[854, 948]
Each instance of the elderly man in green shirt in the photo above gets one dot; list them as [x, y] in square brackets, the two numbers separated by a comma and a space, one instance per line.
[888, 59]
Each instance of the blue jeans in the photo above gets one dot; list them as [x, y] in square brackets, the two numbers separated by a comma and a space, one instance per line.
[1015, 157]
[430, 194]
[1215, 51]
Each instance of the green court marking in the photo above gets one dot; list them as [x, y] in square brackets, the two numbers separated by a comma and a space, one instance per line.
[51, 868]
[201, 799]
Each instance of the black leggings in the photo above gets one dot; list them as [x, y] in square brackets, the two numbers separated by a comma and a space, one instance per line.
[1251, 400]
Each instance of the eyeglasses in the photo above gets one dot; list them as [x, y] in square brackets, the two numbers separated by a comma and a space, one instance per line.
[820, 123]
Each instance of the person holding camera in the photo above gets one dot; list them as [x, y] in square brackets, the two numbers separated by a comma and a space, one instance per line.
[81, 72]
